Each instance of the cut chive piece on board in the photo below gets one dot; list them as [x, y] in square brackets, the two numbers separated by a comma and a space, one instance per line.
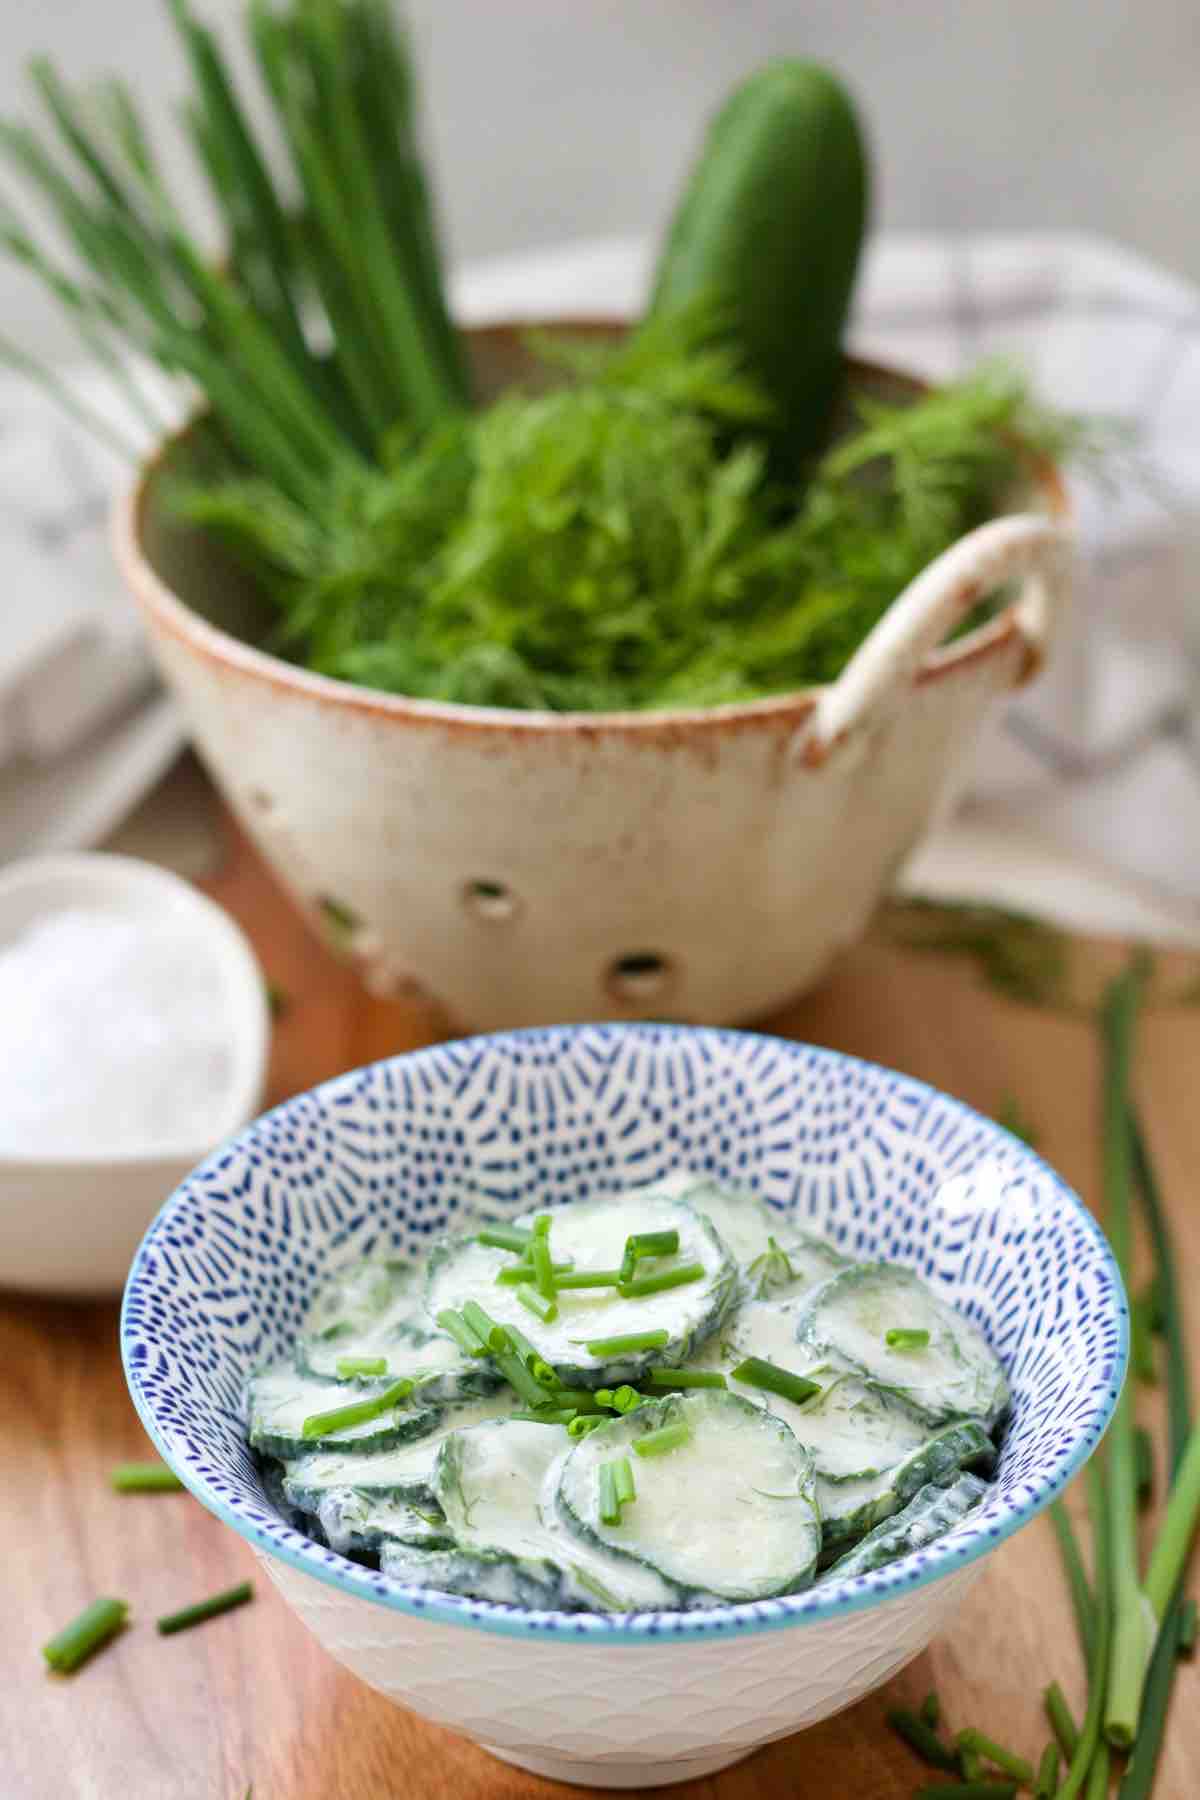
[1186, 1644]
[145, 1478]
[632, 1340]
[536, 1302]
[667, 1437]
[359, 1412]
[931, 1711]
[921, 1737]
[969, 1790]
[1082, 1599]
[900, 1338]
[755, 1371]
[505, 1237]
[641, 1285]
[1046, 1785]
[350, 1366]
[206, 1609]
[1062, 1721]
[96, 1624]
[998, 1755]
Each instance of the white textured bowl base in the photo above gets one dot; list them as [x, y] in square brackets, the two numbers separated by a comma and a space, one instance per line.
[608, 1775]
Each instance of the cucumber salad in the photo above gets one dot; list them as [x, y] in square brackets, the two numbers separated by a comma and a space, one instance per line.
[664, 1399]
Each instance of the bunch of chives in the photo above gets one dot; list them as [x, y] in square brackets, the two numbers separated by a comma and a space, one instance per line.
[337, 78]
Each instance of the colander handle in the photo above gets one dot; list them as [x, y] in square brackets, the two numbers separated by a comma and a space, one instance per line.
[1024, 546]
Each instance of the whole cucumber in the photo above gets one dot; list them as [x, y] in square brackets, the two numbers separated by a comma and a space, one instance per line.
[769, 228]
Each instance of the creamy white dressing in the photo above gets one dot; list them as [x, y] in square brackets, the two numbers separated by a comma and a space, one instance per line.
[407, 1466]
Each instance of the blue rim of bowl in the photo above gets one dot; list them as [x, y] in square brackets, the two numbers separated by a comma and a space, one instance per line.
[907, 1574]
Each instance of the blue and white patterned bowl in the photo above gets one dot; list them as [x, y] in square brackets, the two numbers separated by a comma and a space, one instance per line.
[386, 1158]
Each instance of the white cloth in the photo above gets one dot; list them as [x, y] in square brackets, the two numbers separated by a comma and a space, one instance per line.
[1084, 800]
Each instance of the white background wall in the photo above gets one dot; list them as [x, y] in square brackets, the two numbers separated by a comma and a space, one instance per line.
[556, 118]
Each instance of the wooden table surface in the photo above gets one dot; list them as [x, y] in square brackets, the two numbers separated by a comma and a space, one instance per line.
[251, 1699]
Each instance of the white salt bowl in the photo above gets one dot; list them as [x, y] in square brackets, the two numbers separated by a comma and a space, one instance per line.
[70, 1221]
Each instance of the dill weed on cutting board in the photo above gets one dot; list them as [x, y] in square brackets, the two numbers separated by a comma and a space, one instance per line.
[662, 529]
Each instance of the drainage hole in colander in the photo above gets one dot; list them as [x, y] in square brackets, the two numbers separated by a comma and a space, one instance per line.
[639, 976]
[490, 900]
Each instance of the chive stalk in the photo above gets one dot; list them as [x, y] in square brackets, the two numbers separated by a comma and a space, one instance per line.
[968, 1790]
[1143, 1457]
[1131, 1635]
[641, 1285]
[1176, 1531]
[1062, 1720]
[1077, 1580]
[144, 1478]
[623, 1481]
[536, 1302]
[755, 1371]
[685, 1378]
[492, 1336]
[1093, 1721]
[566, 1279]
[627, 1342]
[206, 1609]
[998, 1755]
[505, 1237]
[359, 1412]
[1046, 1785]
[920, 1736]
[1187, 1628]
[547, 1415]
[931, 1711]
[608, 1505]
[456, 1327]
[666, 1438]
[903, 1338]
[543, 1272]
[95, 1625]
[582, 1423]
[350, 1366]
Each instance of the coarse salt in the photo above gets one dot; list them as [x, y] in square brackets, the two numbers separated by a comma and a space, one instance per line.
[115, 1037]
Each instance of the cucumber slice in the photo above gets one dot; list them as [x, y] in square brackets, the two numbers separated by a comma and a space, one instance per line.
[955, 1376]
[742, 1221]
[792, 1266]
[278, 1401]
[498, 1578]
[498, 1484]
[377, 1309]
[730, 1514]
[850, 1508]
[930, 1514]
[405, 1473]
[592, 1235]
[354, 1522]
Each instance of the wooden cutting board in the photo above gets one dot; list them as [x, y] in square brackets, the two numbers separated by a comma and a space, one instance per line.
[251, 1698]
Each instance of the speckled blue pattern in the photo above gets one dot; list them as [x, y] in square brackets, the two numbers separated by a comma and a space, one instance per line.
[384, 1159]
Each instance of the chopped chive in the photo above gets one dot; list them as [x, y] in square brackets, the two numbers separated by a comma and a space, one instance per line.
[206, 1609]
[1062, 1721]
[144, 1478]
[685, 1378]
[504, 1237]
[535, 1302]
[609, 1505]
[667, 1437]
[1097, 1787]
[971, 1764]
[76, 1641]
[358, 1412]
[547, 1415]
[757, 1372]
[543, 1373]
[455, 1326]
[520, 1378]
[623, 1399]
[1001, 1758]
[541, 1226]
[582, 1399]
[492, 1336]
[586, 1278]
[582, 1423]
[1186, 1635]
[931, 1711]
[543, 1272]
[652, 1243]
[1143, 1460]
[641, 1285]
[901, 1338]
[349, 1366]
[632, 1340]
[923, 1739]
[1046, 1785]
[512, 1274]
[623, 1480]
[968, 1790]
